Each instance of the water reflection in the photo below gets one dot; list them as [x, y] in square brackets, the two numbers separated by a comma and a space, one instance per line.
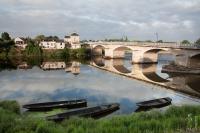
[151, 73]
[53, 65]
[93, 84]
[74, 68]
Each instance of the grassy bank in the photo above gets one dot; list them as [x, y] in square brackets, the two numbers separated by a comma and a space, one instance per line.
[175, 119]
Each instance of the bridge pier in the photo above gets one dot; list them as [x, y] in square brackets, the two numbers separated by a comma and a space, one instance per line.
[139, 57]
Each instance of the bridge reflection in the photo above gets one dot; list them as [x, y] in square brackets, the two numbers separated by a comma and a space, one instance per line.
[187, 84]
[142, 71]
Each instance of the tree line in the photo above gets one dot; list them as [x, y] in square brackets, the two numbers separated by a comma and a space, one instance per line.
[7, 48]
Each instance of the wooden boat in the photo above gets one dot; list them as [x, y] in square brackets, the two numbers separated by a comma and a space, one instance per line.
[156, 103]
[93, 112]
[54, 105]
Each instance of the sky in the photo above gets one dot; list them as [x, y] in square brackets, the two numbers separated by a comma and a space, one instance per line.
[173, 20]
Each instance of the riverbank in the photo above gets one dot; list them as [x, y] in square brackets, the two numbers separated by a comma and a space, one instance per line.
[35, 51]
[173, 120]
[180, 69]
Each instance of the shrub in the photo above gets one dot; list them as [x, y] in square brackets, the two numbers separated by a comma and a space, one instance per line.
[12, 106]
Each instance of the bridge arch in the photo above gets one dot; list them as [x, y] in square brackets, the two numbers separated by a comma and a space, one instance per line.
[151, 55]
[194, 61]
[98, 50]
[120, 51]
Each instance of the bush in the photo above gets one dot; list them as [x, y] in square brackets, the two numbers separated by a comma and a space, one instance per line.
[32, 49]
[12, 106]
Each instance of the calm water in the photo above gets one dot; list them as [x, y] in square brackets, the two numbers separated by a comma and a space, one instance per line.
[57, 80]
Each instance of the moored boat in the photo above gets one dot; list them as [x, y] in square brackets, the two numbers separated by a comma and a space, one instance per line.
[156, 103]
[93, 112]
[55, 105]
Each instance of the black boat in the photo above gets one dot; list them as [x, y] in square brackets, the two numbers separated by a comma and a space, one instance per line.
[46, 106]
[156, 103]
[93, 112]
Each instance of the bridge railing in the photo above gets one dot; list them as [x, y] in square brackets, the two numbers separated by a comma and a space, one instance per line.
[150, 44]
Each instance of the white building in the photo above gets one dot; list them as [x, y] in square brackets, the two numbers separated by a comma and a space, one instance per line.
[20, 42]
[52, 45]
[73, 40]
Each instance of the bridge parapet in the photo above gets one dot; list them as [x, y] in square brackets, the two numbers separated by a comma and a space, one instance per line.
[149, 44]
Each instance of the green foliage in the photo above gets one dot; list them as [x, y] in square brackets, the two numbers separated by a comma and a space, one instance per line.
[81, 53]
[3, 56]
[148, 41]
[39, 38]
[123, 39]
[12, 106]
[5, 43]
[5, 36]
[65, 54]
[32, 49]
[7, 120]
[160, 41]
[185, 42]
[173, 120]
[14, 52]
[43, 37]
[198, 42]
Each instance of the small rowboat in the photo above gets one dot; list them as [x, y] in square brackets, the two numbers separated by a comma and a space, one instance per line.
[93, 112]
[156, 103]
[46, 106]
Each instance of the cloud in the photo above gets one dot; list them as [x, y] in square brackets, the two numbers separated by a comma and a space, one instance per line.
[98, 19]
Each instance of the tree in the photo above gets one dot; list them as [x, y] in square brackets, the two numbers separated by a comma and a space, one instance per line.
[148, 41]
[55, 38]
[39, 38]
[33, 49]
[5, 43]
[5, 36]
[160, 41]
[185, 42]
[126, 39]
[198, 42]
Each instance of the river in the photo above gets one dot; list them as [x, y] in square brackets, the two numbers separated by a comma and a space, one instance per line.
[59, 80]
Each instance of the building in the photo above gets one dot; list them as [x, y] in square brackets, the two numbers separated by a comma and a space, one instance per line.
[20, 42]
[73, 41]
[52, 44]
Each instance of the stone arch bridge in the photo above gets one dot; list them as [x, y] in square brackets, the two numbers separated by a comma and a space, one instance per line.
[145, 52]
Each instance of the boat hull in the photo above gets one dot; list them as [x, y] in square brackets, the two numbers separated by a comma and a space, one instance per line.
[56, 105]
[92, 112]
[157, 103]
